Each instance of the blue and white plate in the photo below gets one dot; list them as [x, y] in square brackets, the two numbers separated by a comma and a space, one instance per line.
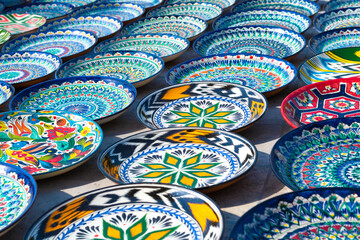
[342, 18]
[6, 92]
[341, 4]
[147, 4]
[225, 4]
[74, 3]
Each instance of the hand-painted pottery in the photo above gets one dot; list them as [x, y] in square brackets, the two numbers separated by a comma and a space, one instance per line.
[225, 4]
[272, 41]
[47, 143]
[133, 211]
[17, 193]
[75, 3]
[216, 105]
[66, 44]
[6, 92]
[305, 7]
[99, 98]
[125, 12]
[183, 26]
[102, 26]
[343, 18]
[265, 74]
[206, 11]
[4, 36]
[341, 4]
[148, 4]
[166, 46]
[310, 214]
[11, 3]
[265, 17]
[18, 24]
[22, 69]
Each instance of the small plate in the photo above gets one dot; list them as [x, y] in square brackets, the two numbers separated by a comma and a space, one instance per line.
[190, 157]
[183, 26]
[311, 214]
[20, 24]
[305, 7]
[225, 4]
[266, 17]
[216, 105]
[341, 4]
[206, 11]
[66, 44]
[6, 92]
[338, 63]
[323, 100]
[166, 46]
[272, 41]
[4, 36]
[343, 18]
[101, 99]
[147, 4]
[47, 143]
[74, 3]
[17, 193]
[23, 69]
[146, 211]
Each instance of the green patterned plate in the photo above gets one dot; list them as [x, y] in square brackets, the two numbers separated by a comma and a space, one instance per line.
[4, 36]
[19, 24]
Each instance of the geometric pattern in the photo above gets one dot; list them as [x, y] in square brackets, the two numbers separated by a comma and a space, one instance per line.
[20, 23]
[222, 3]
[75, 3]
[343, 18]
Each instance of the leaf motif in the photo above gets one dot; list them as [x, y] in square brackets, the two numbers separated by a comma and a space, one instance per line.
[34, 134]
[45, 119]
[40, 129]
[4, 137]
[12, 136]
[64, 137]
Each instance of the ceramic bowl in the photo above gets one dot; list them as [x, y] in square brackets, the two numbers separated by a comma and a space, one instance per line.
[74, 3]
[305, 7]
[217, 105]
[137, 68]
[102, 26]
[11, 3]
[264, 17]
[23, 69]
[147, 4]
[340, 4]
[166, 46]
[277, 42]
[20, 24]
[101, 99]
[183, 26]
[201, 161]
[205, 11]
[308, 214]
[334, 64]
[6, 92]
[225, 4]
[4, 36]
[17, 192]
[66, 44]
[343, 18]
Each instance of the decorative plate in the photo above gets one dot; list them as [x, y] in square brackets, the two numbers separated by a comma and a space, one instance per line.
[11, 3]
[340, 4]
[18, 24]
[225, 4]
[66, 44]
[265, 74]
[6, 92]
[272, 41]
[206, 11]
[216, 105]
[311, 214]
[305, 7]
[22, 69]
[133, 211]
[4, 36]
[183, 26]
[343, 18]
[98, 98]
[148, 4]
[17, 192]
[102, 26]
[265, 17]
[166, 46]
[47, 143]
[74, 3]
[125, 12]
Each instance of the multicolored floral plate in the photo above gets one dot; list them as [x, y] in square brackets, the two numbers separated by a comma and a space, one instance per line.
[225, 4]
[323, 100]
[166, 46]
[217, 105]
[183, 26]
[74, 3]
[310, 214]
[6, 92]
[47, 143]
[19, 24]
[147, 4]
[340, 4]
[265, 17]
[101, 99]
[272, 41]
[206, 11]
[334, 64]
[133, 211]
[17, 193]
[343, 18]
[66, 44]
[4, 36]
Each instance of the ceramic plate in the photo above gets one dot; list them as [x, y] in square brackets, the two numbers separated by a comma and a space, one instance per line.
[310, 214]
[265, 74]
[343, 18]
[183, 26]
[338, 63]
[18, 24]
[190, 157]
[216, 105]
[66, 44]
[22, 69]
[102, 26]
[148, 4]
[166, 46]
[4, 36]
[47, 143]
[10, 3]
[98, 98]
[125, 12]
[138, 211]
[74, 3]
[272, 41]
[340, 4]
[225, 4]
[305, 7]
[17, 193]
[265, 17]
[6, 92]
[206, 11]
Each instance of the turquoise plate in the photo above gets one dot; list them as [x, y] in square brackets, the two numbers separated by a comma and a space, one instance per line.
[148, 4]
[343, 18]
[340, 4]
[225, 4]
[74, 3]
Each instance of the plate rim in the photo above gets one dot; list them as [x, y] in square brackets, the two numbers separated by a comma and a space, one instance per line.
[335, 12]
